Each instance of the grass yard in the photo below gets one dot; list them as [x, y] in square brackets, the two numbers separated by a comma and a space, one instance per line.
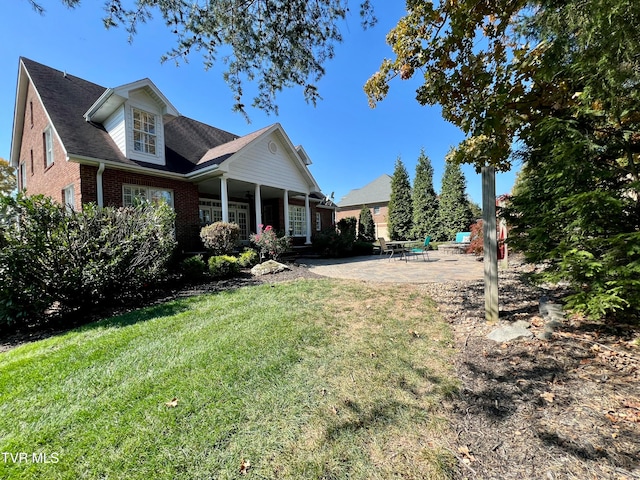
[312, 379]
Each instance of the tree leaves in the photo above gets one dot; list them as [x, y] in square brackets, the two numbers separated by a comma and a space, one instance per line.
[271, 43]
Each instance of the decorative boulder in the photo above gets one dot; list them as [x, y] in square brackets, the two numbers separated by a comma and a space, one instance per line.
[270, 266]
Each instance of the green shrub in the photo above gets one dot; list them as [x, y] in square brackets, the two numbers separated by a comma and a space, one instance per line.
[221, 266]
[337, 242]
[194, 267]
[248, 258]
[362, 248]
[221, 237]
[51, 256]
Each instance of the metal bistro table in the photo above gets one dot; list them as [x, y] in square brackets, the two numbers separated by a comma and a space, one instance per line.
[400, 247]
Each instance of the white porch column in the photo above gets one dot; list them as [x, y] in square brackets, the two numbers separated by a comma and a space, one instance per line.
[224, 198]
[308, 216]
[286, 212]
[258, 206]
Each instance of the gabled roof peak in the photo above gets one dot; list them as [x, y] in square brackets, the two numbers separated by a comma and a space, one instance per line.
[112, 98]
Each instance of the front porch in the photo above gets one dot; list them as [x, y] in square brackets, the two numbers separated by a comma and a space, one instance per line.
[251, 205]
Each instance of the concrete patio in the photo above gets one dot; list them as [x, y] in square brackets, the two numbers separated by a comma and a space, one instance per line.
[375, 268]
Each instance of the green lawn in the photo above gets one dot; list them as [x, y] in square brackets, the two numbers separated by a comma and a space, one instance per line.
[308, 379]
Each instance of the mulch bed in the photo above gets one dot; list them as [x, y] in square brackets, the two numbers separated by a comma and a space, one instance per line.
[567, 408]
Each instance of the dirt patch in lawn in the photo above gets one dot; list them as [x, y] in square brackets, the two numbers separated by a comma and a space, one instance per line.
[564, 408]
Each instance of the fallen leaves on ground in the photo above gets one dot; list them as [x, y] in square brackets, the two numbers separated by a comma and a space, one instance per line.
[173, 403]
[467, 456]
[548, 396]
[245, 465]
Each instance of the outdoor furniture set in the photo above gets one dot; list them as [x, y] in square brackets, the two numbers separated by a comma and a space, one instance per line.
[405, 248]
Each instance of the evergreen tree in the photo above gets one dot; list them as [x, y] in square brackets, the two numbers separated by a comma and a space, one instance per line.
[425, 200]
[400, 219]
[366, 227]
[455, 214]
[476, 210]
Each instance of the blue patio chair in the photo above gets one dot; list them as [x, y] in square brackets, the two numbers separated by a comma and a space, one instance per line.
[424, 249]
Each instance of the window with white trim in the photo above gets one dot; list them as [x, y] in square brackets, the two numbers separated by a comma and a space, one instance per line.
[318, 222]
[22, 176]
[48, 147]
[134, 194]
[69, 197]
[376, 210]
[298, 220]
[144, 131]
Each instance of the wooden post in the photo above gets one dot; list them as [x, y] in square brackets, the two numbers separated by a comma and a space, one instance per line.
[490, 244]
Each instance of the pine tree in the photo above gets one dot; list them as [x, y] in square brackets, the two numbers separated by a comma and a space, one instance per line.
[366, 227]
[454, 212]
[400, 219]
[425, 201]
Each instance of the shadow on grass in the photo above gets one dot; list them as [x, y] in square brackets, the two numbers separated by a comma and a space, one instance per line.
[380, 414]
[120, 312]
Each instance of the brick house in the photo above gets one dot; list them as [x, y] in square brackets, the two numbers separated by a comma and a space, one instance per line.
[79, 142]
[376, 196]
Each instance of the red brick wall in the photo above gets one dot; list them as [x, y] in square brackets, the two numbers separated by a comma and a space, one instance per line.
[40, 180]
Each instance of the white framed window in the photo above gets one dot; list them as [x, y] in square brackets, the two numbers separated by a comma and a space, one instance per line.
[144, 132]
[22, 175]
[133, 194]
[69, 197]
[48, 147]
[318, 222]
[298, 220]
[376, 210]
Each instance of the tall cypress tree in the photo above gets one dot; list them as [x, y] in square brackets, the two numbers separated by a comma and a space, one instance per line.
[366, 226]
[454, 212]
[425, 201]
[400, 219]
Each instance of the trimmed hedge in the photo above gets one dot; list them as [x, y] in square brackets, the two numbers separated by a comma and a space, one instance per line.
[221, 237]
[222, 266]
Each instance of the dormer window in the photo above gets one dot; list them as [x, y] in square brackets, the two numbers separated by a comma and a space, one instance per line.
[144, 132]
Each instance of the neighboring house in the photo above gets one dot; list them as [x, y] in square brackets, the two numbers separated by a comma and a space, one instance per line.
[376, 196]
[79, 142]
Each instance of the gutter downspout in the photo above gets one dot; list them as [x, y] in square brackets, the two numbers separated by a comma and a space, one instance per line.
[99, 190]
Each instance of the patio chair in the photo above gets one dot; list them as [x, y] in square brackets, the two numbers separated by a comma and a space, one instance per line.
[424, 249]
[384, 248]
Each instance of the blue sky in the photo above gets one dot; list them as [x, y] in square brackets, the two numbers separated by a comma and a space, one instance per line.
[349, 143]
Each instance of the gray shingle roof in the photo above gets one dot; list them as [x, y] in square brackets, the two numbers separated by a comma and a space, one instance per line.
[66, 98]
[377, 191]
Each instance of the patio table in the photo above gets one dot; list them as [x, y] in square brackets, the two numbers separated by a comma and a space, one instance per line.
[400, 247]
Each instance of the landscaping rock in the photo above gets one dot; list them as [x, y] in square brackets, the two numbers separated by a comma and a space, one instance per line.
[268, 267]
[510, 332]
[553, 315]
